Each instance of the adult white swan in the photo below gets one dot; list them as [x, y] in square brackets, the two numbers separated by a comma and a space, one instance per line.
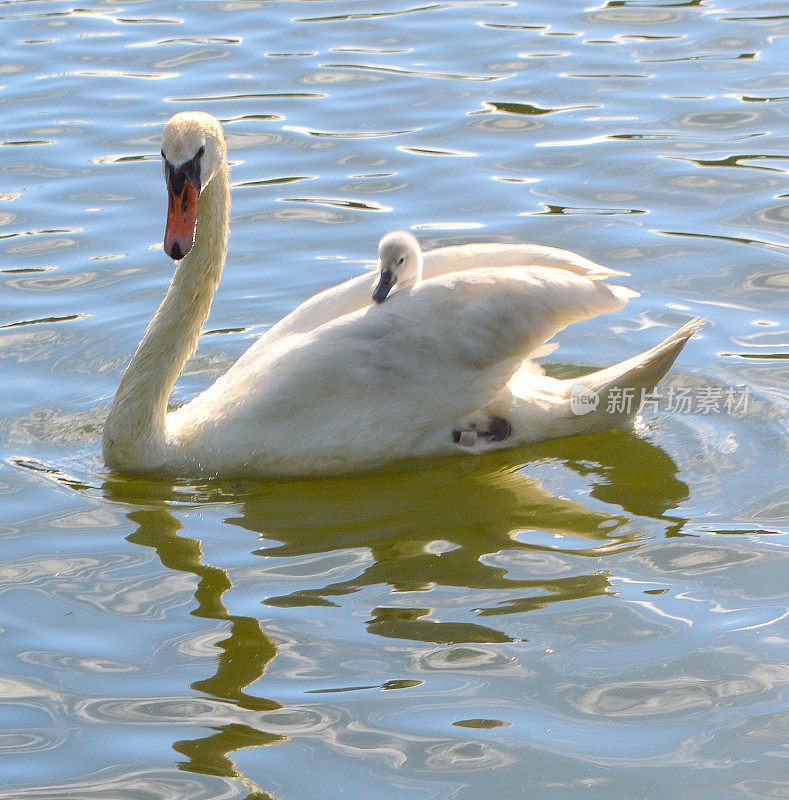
[343, 384]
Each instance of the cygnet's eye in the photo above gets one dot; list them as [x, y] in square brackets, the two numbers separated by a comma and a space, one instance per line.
[201, 151]
[401, 261]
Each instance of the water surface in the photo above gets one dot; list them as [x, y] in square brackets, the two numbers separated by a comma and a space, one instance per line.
[599, 617]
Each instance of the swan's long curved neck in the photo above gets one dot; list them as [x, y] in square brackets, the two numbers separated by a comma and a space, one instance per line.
[135, 433]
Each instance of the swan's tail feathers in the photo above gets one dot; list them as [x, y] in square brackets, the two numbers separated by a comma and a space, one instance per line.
[623, 294]
[614, 395]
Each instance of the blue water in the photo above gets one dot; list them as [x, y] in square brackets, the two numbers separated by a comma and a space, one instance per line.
[599, 617]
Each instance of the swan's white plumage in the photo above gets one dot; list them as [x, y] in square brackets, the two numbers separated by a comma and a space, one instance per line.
[340, 384]
[377, 383]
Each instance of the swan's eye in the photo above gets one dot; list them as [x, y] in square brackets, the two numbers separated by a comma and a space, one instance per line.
[401, 261]
[201, 151]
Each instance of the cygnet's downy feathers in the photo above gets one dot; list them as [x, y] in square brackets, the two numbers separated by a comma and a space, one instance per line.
[399, 262]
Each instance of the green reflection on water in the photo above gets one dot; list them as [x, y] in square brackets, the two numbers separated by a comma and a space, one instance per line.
[435, 527]
[243, 656]
[424, 526]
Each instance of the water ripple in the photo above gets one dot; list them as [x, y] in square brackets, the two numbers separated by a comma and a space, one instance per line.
[466, 756]
[303, 129]
[416, 73]
[739, 161]
[197, 40]
[247, 96]
[29, 740]
[435, 151]
[469, 658]
[136, 783]
[338, 202]
[45, 320]
[370, 15]
[110, 73]
[676, 697]
[525, 108]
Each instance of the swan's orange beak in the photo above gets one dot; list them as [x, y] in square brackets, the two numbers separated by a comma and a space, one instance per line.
[179, 233]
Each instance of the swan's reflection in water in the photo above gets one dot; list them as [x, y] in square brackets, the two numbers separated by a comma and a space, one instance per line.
[441, 525]
[243, 655]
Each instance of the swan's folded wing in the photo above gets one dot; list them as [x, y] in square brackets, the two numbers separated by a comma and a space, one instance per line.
[354, 294]
[459, 258]
[385, 376]
[486, 317]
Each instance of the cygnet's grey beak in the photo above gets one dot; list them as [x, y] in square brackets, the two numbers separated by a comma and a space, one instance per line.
[384, 286]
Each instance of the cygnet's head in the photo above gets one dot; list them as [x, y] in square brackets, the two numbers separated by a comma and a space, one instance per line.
[399, 262]
[193, 151]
